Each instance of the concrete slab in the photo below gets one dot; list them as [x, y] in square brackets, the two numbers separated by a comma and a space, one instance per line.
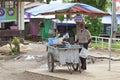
[97, 71]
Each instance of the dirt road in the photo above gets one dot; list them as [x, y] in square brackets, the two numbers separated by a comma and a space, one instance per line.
[34, 56]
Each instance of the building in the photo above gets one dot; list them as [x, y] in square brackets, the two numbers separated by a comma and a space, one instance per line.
[12, 18]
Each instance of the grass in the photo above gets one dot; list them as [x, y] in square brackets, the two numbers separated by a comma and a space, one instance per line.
[1, 58]
[98, 44]
[7, 57]
[115, 45]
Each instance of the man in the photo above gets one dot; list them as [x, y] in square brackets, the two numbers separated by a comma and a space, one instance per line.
[83, 37]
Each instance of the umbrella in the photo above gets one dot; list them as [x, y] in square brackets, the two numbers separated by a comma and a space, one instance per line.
[66, 8]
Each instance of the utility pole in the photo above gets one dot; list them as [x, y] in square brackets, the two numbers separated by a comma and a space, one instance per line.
[114, 19]
[113, 30]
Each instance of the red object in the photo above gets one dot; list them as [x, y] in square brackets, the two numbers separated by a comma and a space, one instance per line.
[116, 0]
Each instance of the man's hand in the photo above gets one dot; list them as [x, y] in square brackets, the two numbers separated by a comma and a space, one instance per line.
[76, 42]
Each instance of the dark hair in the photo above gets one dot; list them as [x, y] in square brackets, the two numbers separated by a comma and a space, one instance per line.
[42, 24]
[86, 26]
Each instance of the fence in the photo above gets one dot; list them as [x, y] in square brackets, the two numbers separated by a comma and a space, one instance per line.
[104, 42]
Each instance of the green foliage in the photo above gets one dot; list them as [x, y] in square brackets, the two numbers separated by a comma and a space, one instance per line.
[41, 0]
[115, 45]
[48, 1]
[99, 44]
[67, 1]
[118, 28]
[60, 17]
[100, 4]
[15, 46]
[8, 57]
[94, 25]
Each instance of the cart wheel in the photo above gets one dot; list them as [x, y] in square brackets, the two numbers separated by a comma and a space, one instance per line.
[50, 61]
[75, 67]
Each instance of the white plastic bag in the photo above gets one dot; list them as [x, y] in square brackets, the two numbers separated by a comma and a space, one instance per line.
[83, 53]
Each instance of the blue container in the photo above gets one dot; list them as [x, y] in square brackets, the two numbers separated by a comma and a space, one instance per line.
[51, 40]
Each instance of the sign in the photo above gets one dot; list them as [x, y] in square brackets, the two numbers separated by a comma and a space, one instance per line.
[2, 14]
[11, 13]
[8, 13]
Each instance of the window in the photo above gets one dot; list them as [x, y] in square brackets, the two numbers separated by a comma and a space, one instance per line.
[7, 4]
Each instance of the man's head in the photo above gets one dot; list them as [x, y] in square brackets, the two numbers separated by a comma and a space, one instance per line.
[79, 19]
[81, 25]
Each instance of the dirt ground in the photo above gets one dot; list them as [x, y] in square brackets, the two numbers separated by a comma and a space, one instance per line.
[33, 57]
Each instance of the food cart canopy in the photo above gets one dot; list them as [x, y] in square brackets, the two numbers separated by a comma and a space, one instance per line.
[65, 8]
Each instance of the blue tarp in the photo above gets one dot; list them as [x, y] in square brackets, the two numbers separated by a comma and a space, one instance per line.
[88, 7]
[66, 24]
[56, 7]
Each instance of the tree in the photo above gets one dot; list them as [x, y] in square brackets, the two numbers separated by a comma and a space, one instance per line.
[47, 1]
[66, 1]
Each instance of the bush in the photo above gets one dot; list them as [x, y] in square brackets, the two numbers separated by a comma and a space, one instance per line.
[15, 46]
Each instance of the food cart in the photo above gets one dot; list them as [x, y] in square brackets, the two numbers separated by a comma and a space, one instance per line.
[65, 56]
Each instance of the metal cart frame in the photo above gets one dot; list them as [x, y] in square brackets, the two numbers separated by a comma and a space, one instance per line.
[64, 56]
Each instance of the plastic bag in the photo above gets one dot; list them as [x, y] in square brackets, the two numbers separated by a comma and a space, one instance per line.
[83, 53]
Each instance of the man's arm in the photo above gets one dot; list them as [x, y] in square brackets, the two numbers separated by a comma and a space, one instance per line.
[89, 40]
[89, 37]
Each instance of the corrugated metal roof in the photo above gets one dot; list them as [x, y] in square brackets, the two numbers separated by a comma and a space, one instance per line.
[108, 19]
[32, 4]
